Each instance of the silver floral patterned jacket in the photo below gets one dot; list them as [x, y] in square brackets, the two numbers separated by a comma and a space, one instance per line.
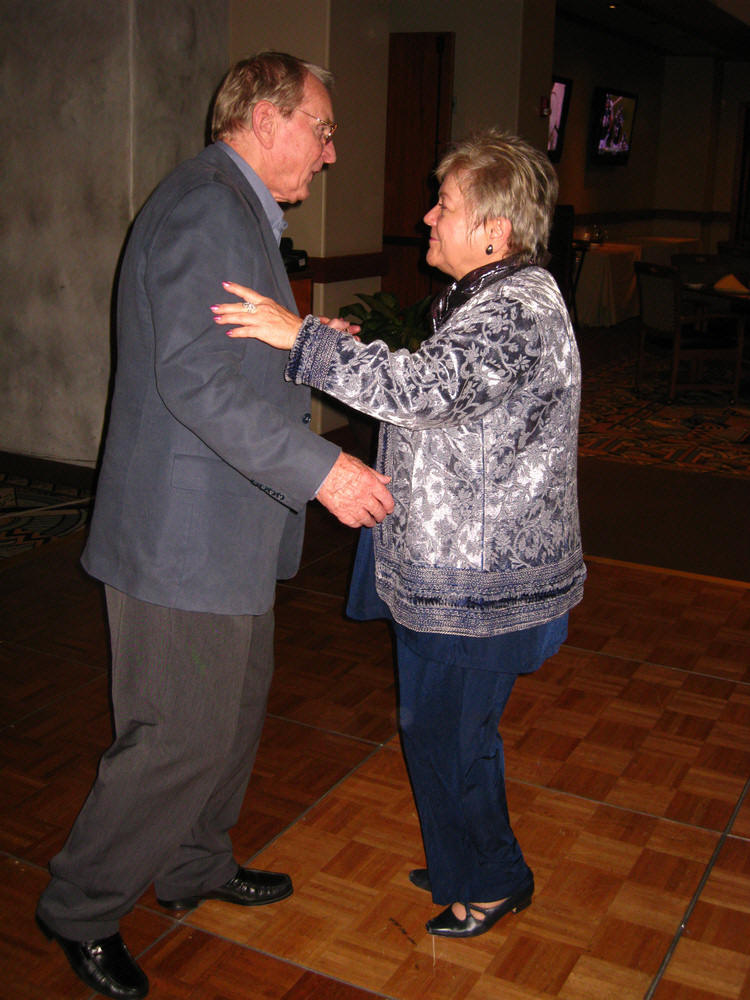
[479, 436]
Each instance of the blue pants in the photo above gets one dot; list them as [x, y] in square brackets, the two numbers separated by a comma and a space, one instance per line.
[449, 717]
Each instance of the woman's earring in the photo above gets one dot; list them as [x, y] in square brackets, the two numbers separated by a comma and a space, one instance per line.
[490, 250]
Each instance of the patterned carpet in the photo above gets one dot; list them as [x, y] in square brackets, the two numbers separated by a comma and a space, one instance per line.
[699, 432]
[32, 513]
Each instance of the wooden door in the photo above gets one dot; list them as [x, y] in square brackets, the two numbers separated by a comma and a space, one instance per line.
[420, 97]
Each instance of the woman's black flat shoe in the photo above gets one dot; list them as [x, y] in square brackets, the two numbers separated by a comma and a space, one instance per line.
[447, 924]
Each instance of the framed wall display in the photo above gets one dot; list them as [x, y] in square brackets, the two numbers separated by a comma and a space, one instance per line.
[612, 118]
[559, 102]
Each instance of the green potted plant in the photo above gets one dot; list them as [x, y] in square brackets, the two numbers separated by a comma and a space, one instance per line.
[382, 317]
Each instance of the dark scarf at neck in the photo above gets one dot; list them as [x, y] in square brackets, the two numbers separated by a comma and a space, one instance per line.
[463, 289]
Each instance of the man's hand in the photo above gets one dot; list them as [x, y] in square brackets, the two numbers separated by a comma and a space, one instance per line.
[355, 493]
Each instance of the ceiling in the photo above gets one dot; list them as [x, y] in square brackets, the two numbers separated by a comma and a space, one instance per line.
[685, 28]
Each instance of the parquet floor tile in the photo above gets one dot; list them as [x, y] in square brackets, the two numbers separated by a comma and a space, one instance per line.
[612, 887]
[339, 677]
[77, 632]
[34, 968]
[628, 756]
[32, 598]
[703, 970]
[741, 827]
[691, 623]
[47, 763]
[34, 679]
[294, 767]
[645, 737]
[182, 963]
[327, 574]
[190, 965]
[49, 759]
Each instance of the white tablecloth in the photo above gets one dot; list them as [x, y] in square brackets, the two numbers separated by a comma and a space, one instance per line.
[607, 292]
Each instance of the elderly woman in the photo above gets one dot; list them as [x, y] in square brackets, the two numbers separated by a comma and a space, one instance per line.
[481, 560]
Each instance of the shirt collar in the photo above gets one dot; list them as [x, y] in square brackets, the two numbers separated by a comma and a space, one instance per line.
[270, 206]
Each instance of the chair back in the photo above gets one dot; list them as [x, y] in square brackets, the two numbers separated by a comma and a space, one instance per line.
[737, 262]
[658, 295]
[736, 258]
[697, 335]
[699, 268]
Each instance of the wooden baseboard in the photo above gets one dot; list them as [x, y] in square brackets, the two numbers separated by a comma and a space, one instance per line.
[79, 476]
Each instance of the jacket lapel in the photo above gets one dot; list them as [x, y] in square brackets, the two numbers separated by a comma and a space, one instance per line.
[219, 159]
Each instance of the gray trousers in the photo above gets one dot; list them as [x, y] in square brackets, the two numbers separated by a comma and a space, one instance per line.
[189, 695]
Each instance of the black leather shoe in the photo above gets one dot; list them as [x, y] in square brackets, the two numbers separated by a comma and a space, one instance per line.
[421, 879]
[104, 965]
[249, 887]
[447, 924]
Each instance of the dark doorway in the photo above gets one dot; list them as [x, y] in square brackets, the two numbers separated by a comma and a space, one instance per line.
[420, 97]
[741, 207]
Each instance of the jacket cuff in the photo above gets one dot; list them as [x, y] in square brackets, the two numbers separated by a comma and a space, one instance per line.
[312, 353]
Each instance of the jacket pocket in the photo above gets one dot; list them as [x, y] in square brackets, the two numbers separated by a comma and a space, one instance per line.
[200, 474]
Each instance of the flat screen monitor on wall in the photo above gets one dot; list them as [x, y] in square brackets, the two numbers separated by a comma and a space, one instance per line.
[612, 117]
[559, 101]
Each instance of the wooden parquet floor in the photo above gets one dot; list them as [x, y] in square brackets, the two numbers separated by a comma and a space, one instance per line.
[628, 756]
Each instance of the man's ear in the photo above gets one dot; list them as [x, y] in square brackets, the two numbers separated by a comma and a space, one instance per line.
[265, 120]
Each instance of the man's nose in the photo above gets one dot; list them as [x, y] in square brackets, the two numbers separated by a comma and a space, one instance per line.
[329, 152]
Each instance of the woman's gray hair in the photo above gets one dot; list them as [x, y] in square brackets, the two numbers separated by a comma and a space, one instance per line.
[268, 76]
[501, 176]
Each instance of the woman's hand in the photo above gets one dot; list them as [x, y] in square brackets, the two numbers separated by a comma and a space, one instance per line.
[263, 319]
[258, 317]
[342, 325]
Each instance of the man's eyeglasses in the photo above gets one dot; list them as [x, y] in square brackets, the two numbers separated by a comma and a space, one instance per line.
[325, 129]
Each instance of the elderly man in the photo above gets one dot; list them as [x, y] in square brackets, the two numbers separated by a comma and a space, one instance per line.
[208, 466]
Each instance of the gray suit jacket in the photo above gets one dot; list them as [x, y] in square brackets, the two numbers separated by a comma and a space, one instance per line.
[209, 459]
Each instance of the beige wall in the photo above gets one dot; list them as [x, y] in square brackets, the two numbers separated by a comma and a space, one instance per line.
[590, 60]
[107, 96]
[343, 214]
[537, 57]
[359, 61]
[487, 57]
[303, 30]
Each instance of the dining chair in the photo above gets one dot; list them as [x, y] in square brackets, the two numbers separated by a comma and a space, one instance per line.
[699, 268]
[671, 313]
[737, 258]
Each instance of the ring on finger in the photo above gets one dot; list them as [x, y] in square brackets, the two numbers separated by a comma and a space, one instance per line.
[249, 307]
